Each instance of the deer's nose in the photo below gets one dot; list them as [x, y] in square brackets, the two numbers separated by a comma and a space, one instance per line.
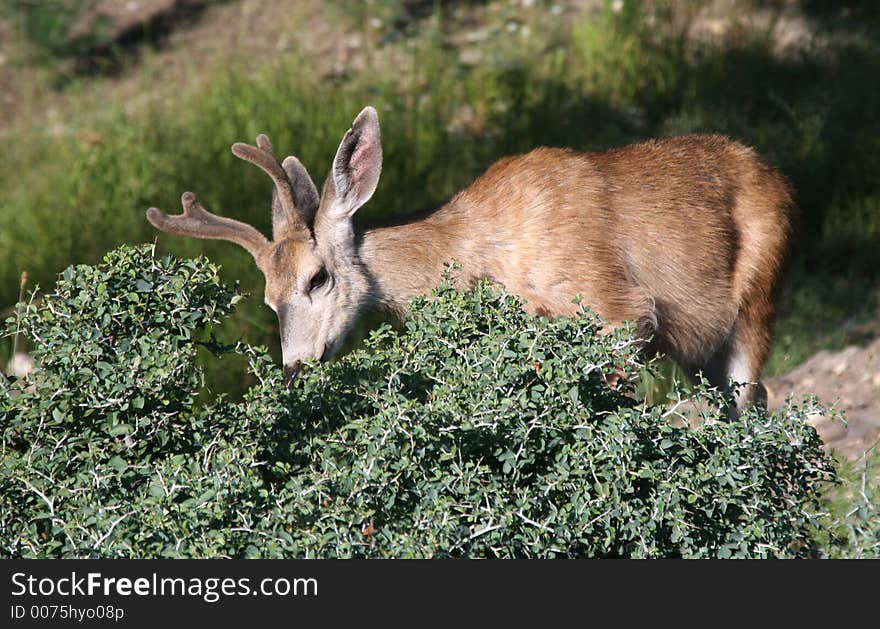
[291, 371]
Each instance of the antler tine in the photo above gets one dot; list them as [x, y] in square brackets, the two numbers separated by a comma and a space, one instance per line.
[264, 158]
[198, 222]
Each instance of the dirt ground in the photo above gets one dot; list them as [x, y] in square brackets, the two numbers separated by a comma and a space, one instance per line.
[850, 381]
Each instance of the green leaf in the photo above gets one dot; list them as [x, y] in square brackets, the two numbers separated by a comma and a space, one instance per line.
[117, 463]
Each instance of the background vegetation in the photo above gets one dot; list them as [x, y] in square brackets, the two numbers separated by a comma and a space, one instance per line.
[96, 130]
[529, 76]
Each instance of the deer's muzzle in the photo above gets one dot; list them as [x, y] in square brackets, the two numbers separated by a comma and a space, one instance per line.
[291, 371]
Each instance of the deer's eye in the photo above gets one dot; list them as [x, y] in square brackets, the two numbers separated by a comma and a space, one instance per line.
[318, 280]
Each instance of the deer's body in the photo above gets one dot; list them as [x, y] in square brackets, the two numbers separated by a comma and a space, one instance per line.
[685, 236]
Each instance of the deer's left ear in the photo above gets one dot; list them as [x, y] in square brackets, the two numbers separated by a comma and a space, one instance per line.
[357, 166]
[305, 197]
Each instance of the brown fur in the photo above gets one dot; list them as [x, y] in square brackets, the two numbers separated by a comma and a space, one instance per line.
[685, 236]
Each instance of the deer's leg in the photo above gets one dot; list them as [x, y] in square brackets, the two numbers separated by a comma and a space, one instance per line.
[738, 362]
[750, 345]
[637, 307]
[764, 229]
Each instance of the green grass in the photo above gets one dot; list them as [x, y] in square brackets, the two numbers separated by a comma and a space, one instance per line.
[606, 80]
[853, 510]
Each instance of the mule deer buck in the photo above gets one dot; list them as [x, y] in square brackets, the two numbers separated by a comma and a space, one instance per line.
[685, 236]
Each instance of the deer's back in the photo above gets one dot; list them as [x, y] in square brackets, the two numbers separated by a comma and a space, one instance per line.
[682, 223]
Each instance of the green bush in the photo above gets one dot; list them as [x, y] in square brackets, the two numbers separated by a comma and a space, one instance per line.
[478, 430]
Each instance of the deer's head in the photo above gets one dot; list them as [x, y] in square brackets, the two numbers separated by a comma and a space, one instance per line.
[314, 281]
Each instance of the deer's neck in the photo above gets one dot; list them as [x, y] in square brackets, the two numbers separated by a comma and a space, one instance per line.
[403, 261]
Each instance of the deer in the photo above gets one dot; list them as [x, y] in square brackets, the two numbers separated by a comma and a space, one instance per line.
[684, 236]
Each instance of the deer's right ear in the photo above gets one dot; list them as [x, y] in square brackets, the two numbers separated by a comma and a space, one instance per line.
[357, 165]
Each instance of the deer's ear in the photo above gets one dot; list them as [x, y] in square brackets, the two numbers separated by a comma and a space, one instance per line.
[305, 197]
[357, 165]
